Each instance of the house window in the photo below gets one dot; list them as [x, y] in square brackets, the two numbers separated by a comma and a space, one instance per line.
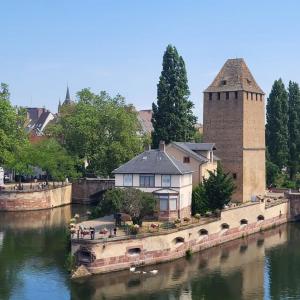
[186, 160]
[163, 202]
[210, 96]
[235, 95]
[166, 180]
[234, 176]
[219, 96]
[227, 95]
[167, 202]
[147, 180]
[127, 180]
[173, 203]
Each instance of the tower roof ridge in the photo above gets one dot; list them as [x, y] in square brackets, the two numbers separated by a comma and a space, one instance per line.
[234, 76]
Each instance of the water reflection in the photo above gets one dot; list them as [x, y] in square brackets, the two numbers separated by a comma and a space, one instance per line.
[32, 254]
[33, 251]
[231, 271]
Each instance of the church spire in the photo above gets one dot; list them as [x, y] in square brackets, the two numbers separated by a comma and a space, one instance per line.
[68, 98]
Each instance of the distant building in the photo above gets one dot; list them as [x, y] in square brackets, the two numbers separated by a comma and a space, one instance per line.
[144, 117]
[37, 120]
[234, 119]
[169, 180]
[198, 156]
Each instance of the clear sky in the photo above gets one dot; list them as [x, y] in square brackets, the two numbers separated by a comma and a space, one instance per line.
[117, 46]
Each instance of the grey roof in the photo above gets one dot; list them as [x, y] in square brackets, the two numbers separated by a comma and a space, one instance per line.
[153, 162]
[193, 149]
[199, 146]
[234, 76]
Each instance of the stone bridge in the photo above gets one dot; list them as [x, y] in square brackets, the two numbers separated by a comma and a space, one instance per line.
[294, 205]
[89, 190]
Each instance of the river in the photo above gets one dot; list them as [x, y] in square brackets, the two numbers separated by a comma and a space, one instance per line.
[33, 252]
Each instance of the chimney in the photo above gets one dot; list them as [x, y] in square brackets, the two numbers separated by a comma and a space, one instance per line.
[162, 146]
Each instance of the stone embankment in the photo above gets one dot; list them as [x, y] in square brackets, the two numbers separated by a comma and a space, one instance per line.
[106, 255]
[35, 199]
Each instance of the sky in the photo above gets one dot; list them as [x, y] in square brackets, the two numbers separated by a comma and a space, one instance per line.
[117, 46]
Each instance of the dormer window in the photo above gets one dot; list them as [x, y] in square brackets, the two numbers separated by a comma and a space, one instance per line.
[224, 82]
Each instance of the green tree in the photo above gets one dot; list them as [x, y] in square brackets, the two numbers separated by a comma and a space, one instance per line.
[53, 159]
[277, 125]
[131, 201]
[173, 119]
[294, 129]
[100, 129]
[200, 204]
[12, 133]
[218, 189]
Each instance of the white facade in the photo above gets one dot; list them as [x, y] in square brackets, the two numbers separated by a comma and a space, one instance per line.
[173, 191]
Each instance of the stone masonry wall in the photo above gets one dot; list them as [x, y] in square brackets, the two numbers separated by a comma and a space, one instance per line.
[34, 200]
[121, 254]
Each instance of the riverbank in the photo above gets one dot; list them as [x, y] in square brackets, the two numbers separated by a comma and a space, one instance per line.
[114, 254]
[35, 199]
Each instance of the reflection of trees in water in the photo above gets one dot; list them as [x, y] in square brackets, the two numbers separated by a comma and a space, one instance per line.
[284, 266]
[44, 243]
[46, 246]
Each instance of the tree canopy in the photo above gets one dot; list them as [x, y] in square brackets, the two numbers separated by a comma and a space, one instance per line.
[277, 125]
[173, 119]
[12, 133]
[294, 128]
[101, 129]
[214, 193]
[131, 201]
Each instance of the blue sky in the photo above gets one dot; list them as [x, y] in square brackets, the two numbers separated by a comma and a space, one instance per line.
[117, 46]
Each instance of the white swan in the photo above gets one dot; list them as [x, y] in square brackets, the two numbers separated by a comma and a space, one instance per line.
[154, 272]
[132, 269]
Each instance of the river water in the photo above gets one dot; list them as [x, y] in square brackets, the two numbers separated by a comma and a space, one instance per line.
[33, 251]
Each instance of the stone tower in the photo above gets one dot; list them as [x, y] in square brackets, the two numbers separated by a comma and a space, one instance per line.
[234, 119]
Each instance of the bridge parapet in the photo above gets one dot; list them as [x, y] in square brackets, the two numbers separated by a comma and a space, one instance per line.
[89, 190]
[294, 204]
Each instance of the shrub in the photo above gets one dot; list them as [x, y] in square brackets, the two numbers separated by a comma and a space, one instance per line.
[197, 216]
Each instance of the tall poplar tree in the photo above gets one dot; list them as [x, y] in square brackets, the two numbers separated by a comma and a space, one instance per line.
[173, 119]
[294, 128]
[277, 125]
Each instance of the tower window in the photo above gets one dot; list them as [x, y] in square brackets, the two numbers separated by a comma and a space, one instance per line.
[186, 160]
[219, 96]
[227, 95]
[235, 95]
[210, 96]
